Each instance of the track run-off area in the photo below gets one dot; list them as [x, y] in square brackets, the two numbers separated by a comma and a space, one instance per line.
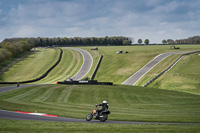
[87, 63]
[140, 73]
[21, 116]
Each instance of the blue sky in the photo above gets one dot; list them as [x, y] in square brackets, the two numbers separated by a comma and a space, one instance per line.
[152, 19]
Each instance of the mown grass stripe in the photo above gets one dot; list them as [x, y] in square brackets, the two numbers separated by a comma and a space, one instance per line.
[125, 102]
[30, 67]
[48, 93]
[78, 63]
[55, 95]
[63, 98]
[69, 65]
[25, 95]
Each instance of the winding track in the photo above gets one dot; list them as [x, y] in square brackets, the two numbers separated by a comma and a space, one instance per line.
[83, 71]
[140, 73]
[87, 64]
[19, 116]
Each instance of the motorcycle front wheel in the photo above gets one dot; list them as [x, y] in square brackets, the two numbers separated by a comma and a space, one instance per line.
[103, 117]
[89, 117]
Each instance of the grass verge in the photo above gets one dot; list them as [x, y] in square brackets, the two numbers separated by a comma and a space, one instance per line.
[184, 76]
[32, 66]
[127, 103]
[164, 64]
[38, 126]
[70, 64]
[38, 63]
[117, 68]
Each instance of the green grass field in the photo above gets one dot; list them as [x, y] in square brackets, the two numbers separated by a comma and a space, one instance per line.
[32, 66]
[70, 64]
[114, 68]
[182, 77]
[63, 127]
[176, 99]
[164, 64]
[127, 103]
[38, 63]
[117, 68]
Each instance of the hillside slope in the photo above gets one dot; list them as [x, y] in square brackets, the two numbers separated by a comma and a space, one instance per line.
[184, 76]
[127, 103]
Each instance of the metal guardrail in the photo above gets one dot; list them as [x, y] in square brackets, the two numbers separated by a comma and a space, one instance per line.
[89, 82]
[97, 67]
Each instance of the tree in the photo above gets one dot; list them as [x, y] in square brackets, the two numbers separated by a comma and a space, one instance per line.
[164, 41]
[170, 41]
[126, 42]
[139, 41]
[146, 41]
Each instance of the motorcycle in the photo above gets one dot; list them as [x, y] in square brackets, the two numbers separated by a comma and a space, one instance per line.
[102, 116]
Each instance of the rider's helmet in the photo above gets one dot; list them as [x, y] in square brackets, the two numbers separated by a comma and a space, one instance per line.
[104, 101]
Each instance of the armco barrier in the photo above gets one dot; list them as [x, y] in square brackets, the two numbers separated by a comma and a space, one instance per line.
[97, 67]
[90, 82]
[168, 68]
[41, 77]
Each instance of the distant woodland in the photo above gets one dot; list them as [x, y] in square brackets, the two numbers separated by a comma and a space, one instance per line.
[13, 47]
[76, 41]
[190, 40]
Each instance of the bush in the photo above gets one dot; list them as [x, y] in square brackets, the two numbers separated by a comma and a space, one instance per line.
[13, 49]
[4, 55]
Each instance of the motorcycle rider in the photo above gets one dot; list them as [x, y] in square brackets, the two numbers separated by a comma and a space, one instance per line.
[104, 107]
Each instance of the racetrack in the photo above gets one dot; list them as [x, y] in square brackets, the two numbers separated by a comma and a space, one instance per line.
[87, 64]
[141, 72]
[20, 116]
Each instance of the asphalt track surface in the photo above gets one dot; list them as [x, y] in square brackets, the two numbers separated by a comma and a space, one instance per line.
[83, 71]
[87, 64]
[20, 116]
[140, 73]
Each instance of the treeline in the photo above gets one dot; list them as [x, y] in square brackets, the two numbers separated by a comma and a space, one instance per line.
[77, 41]
[10, 49]
[14, 46]
[190, 40]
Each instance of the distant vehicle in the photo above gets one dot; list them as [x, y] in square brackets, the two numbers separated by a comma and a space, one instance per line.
[174, 47]
[95, 48]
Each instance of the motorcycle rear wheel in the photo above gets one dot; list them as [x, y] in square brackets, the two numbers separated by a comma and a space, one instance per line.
[103, 117]
[89, 117]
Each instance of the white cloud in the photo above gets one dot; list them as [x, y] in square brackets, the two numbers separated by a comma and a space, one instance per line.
[153, 19]
[25, 31]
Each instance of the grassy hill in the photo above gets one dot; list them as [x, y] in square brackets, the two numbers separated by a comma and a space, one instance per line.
[117, 68]
[184, 76]
[126, 103]
[39, 62]
[70, 64]
[130, 103]
[114, 68]
[32, 66]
